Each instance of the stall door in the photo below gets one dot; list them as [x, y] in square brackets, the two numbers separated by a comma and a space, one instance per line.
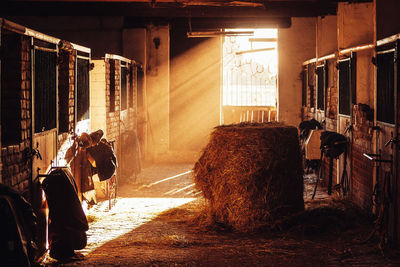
[346, 100]
[387, 121]
[44, 74]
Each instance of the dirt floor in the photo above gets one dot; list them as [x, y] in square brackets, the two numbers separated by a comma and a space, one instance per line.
[157, 221]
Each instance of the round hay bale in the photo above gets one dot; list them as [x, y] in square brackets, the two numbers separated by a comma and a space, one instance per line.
[251, 174]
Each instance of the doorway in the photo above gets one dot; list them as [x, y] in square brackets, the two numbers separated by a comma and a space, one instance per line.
[250, 70]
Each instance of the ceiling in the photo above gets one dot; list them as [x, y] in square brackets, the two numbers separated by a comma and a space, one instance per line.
[218, 13]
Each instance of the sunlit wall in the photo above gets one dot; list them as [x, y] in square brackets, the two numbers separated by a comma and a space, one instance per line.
[194, 89]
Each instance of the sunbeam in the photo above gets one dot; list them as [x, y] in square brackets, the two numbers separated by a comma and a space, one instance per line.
[106, 225]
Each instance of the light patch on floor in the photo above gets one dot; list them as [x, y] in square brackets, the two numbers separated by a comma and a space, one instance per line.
[126, 215]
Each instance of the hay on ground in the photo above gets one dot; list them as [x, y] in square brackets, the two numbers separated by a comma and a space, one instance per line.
[251, 174]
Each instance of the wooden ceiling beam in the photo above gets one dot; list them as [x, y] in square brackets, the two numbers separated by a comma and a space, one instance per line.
[166, 10]
[198, 24]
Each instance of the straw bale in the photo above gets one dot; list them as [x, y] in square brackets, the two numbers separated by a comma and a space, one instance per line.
[251, 174]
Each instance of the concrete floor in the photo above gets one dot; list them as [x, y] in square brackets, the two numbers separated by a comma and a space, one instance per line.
[155, 222]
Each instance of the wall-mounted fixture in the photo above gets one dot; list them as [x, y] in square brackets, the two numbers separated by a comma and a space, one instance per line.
[219, 33]
[156, 42]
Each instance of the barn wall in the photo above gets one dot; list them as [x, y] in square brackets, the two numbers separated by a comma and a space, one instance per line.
[67, 67]
[295, 45]
[134, 44]
[355, 24]
[98, 96]
[157, 91]
[118, 125]
[135, 47]
[326, 35]
[16, 170]
[101, 33]
[387, 18]
[113, 117]
[356, 27]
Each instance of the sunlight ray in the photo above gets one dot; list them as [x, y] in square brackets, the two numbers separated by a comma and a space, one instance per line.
[106, 225]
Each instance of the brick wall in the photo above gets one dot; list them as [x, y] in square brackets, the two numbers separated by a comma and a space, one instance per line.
[16, 169]
[66, 85]
[113, 118]
[120, 124]
[362, 172]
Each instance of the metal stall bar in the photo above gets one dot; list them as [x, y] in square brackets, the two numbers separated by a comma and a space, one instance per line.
[395, 142]
[352, 89]
[325, 88]
[1, 32]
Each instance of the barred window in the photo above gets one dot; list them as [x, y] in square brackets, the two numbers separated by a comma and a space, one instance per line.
[344, 87]
[63, 92]
[132, 85]
[112, 85]
[304, 87]
[45, 91]
[124, 87]
[311, 71]
[11, 89]
[82, 84]
[140, 87]
[320, 73]
[385, 86]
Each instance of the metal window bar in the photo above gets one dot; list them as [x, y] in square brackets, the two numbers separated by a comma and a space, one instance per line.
[344, 87]
[112, 84]
[45, 90]
[304, 88]
[385, 86]
[10, 75]
[310, 75]
[124, 87]
[63, 92]
[320, 87]
[82, 77]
